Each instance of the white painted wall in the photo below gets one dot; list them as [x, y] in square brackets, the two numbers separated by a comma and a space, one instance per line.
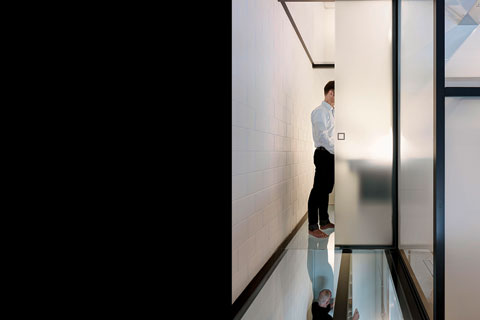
[274, 90]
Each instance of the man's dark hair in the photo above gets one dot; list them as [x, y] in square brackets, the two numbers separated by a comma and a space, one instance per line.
[329, 86]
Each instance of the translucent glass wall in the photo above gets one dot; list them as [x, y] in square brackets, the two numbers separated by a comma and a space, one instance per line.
[462, 151]
[363, 112]
[462, 213]
[415, 187]
[462, 154]
[416, 125]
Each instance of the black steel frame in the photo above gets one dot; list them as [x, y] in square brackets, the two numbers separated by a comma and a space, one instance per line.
[439, 161]
[395, 114]
[462, 92]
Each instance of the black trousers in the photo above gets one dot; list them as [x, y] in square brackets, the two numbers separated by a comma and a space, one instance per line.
[322, 187]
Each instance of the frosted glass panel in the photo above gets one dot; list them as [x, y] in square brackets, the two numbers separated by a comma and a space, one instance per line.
[462, 213]
[363, 111]
[415, 167]
[462, 43]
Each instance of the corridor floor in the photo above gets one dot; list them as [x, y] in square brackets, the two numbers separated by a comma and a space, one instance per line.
[307, 267]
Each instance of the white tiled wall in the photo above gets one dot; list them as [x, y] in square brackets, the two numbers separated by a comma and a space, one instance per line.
[274, 90]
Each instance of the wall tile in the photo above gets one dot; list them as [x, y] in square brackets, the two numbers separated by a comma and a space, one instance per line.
[254, 223]
[261, 200]
[239, 162]
[261, 121]
[234, 261]
[260, 160]
[269, 142]
[255, 182]
[239, 234]
[246, 251]
[282, 127]
[240, 138]
[239, 280]
[239, 186]
[242, 209]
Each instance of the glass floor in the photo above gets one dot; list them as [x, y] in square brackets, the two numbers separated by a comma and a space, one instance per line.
[309, 265]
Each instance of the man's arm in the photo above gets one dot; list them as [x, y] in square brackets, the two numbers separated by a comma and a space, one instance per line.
[356, 315]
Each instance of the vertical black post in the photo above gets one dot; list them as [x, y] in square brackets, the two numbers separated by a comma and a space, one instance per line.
[439, 162]
[341, 300]
[395, 114]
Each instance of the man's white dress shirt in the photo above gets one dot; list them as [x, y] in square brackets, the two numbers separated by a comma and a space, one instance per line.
[323, 125]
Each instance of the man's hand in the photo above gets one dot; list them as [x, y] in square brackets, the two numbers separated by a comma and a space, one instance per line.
[356, 315]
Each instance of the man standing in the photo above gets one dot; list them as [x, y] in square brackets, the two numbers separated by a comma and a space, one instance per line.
[323, 124]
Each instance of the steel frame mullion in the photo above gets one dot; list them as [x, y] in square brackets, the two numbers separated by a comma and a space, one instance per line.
[439, 161]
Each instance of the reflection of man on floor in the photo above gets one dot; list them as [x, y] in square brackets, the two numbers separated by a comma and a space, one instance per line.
[319, 269]
[323, 305]
[323, 124]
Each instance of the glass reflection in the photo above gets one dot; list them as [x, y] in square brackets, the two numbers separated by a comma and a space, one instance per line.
[462, 43]
[320, 271]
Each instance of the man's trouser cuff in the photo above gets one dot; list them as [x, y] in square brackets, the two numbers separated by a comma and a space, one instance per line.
[324, 222]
